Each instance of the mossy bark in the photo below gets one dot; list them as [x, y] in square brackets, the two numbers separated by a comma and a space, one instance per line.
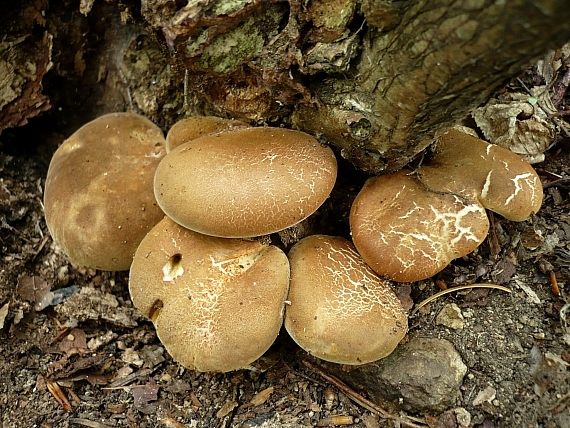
[378, 84]
[392, 76]
[443, 59]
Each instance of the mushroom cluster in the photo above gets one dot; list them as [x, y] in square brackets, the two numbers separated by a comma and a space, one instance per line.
[185, 214]
[409, 226]
[217, 296]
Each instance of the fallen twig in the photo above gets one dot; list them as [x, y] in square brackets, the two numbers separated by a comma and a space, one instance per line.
[359, 399]
[58, 394]
[556, 182]
[458, 288]
[88, 423]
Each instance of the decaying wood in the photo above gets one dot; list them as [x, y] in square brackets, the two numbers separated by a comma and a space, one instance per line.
[377, 79]
[442, 60]
[25, 57]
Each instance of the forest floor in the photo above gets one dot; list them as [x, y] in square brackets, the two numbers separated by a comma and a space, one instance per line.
[101, 364]
[98, 363]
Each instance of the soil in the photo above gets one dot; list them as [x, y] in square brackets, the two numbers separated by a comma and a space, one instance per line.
[110, 370]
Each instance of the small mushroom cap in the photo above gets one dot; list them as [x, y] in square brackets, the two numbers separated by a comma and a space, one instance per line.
[340, 310]
[99, 201]
[408, 233]
[245, 183]
[198, 126]
[217, 304]
[501, 180]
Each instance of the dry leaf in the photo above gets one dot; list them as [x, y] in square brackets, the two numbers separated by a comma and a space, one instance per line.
[143, 394]
[33, 289]
[75, 339]
[169, 422]
[262, 396]
[403, 292]
[226, 409]
[518, 125]
[71, 364]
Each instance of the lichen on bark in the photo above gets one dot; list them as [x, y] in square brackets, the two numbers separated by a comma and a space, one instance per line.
[228, 51]
[376, 78]
[442, 60]
[377, 90]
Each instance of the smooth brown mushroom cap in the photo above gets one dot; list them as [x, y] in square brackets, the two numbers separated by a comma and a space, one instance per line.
[501, 180]
[340, 310]
[198, 126]
[245, 183]
[217, 304]
[99, 201]
[408, 233]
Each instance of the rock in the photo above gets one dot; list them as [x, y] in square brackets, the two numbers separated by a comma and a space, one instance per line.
[422, 376]
[451, 317]
[463, 416]
[488, 394]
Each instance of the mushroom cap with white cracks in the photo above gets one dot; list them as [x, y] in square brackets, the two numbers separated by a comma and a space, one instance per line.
[99, 201]
[246, 183]
[195, 127]
[501, 180]
[340, 310]
[409, 233]
[217, 304]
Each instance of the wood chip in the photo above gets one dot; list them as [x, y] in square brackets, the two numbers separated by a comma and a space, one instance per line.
[58, 394]
[117, 408]
[335, 420]
[3, 314]
[262, 396]
[226, 409]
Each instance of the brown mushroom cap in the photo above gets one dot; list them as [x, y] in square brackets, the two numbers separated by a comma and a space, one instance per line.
[245, 183]
[217, 304]
[501, 180]
[197, 126]
[408, 233]
[99, 201]
[340, 310]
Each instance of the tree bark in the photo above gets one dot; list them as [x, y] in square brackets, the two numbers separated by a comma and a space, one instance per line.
[418, 67]
[375, 78]
[444, 58]
[25, 58]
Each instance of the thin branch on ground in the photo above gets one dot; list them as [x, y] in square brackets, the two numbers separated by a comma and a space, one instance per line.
[458, 288]
[359, 399]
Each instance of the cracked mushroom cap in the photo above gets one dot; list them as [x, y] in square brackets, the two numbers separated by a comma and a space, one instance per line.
[99, 201]
[198, 126]
[340, 310]
[501, 180]
[246, 183]
[408, 233]
[217, 304]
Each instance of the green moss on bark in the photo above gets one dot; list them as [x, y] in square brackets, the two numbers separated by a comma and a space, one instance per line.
[246, 42]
